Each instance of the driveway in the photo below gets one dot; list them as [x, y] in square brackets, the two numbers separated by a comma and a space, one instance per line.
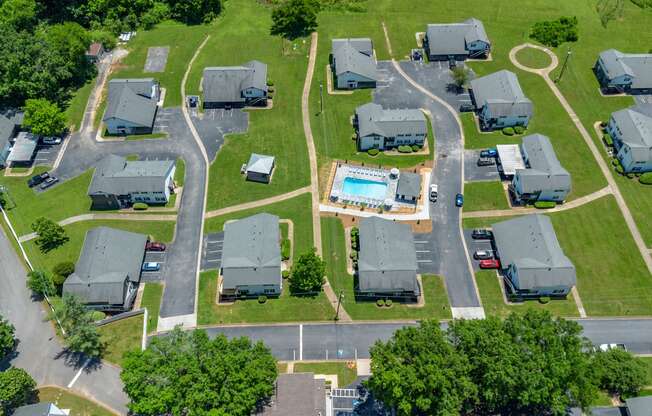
[212, 251]
[474, 173]
[156, 257]
[475, 245]
[214, 124]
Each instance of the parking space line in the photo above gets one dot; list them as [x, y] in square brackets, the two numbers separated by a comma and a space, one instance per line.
[214, 251]
[213, 260]
[424, 261]
[421, 241]
[423, 251]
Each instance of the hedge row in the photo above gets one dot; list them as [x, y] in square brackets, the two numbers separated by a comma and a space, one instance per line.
[646, 178]
[545, 204]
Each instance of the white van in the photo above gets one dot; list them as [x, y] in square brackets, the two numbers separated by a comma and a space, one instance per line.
[433, 193]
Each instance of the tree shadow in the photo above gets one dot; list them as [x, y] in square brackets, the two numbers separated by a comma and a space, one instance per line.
[76, 360]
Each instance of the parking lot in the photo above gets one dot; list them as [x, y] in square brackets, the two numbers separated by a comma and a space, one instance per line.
[643, 99]
[213, 124]
[475, 245]
[211, 257]
[473, 172]
[426, 255]
[157, 257]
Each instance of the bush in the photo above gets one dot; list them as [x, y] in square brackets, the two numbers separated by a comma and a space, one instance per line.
[270, 89]
[373, 152]
[65, 268]
[619, 169]
[608, 140]
[285, 274]
[519, 129]
[7, 338]
[415, 148]
[380, 303]
[270, 83]
[40, 282]
[508, 131]
[646, 178]
[545, 204]
[555, 32]
[354, 255]
[544, 299]
[388, 302]
[140, 206]
[97, 316]
[285, 249]
[405, 149]
[262, 299]
[270, 96]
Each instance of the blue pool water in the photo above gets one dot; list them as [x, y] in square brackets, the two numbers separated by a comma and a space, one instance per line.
[364, 188]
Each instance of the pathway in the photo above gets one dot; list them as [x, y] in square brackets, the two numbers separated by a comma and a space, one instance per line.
[314, 178]
[258, 203]
[522, 211]
[606, 170]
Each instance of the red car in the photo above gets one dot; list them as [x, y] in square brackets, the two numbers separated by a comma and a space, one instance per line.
[153, 246]
[490, 264]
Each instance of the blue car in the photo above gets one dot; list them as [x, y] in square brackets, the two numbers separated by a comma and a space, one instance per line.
[489, 153]
[151, 266]
[459, 200]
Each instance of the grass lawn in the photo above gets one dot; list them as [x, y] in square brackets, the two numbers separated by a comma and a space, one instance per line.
[533, 58]
[121, 336]
[436, 306]
[639, 200]
[277, 131]
[136, 137]
[180, 172]
[603, 399]
[281, 368]
[62, 201]
[77, 104]
[492, 299]
[151, 300]
[648, 362]
[481, 196]
[345, 375]
[159, 230]
[66, 399]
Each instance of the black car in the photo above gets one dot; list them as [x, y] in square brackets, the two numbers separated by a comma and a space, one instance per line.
[466, 108]
[49, 182]
[486, 161]
[193, 100]
[37, 179]
[481, 234]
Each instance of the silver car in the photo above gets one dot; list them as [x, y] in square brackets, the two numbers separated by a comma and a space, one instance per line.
[483, 255]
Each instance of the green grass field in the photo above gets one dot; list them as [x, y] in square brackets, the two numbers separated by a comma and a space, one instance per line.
[493, 303]
[152, 294]
[481, 196]
[66, 399]
[180, 172]
[436, 306]
[648, 362]
[77, 104]
[159, 230]
[121, 336]
[345, 375]
[533, 58]
[639, 200]
[277, 131]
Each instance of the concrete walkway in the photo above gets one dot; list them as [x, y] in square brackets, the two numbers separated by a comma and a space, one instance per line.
[606, 170]
[314, 178]
[522, 211]
[258, 203]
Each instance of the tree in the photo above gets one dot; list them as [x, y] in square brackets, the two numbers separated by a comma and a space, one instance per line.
[50, 234]
[195, 11]
[555, 32]
[461, 76]
[21, 14]
[43, 117]
[417, 372]
[295, 18]
[16, 389]
[307, 274]
[7, 339]
[62, 271]
[77, 321]
[188, 372]
[40, 282]
[619, 372]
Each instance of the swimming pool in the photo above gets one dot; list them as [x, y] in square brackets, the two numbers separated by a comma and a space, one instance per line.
[364, 188]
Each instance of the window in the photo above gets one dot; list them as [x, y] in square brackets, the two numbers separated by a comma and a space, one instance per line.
[558, 291]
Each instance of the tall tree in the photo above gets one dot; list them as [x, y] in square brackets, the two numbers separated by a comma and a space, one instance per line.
[21, 14]
[195, 11]
[43, 117]
[40, 282]
[307, 274]
[186, 372]
[461, 75]
[619, 372]
[7, 339]
[50, 234]
[295, 18]
[16, 389]
[77, 321]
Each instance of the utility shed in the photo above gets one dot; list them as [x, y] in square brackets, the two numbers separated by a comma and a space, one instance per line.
[251, 257]
[387, 262]
[108, 270]
[532, 261]
[260, 168]
[297, 394]
[409, 187]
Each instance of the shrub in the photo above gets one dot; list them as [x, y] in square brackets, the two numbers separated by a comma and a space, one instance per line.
[40, 282]
[270, 96]
[646, 178]
[415, 148]
[285, 274]
[270, 89]
[619, 169]
[603, 124]
[65, 268]
[373, 152]
[508, 131]
[270, 83]
[380, 303]
[608, 140]
[519, 129]
[262, 299]
[140, 206]
[285, 249]
[7, 338]
[354, 255]
[97, 316]
[555, 32]
[405, 149]
[354, 136]
[388, 302]
[545, 204]
[544, 299]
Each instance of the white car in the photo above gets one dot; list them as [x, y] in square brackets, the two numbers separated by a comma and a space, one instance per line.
[51, 140]
[433, 193]
[607, 347]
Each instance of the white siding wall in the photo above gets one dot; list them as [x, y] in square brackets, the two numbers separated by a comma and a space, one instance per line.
[155, 198]
[344, 79]
[113, 125]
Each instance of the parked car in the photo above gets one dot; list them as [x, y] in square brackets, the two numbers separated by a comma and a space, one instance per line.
[489, 264]
[459, 200]
[489, 153]
[154, 246]
[193, 101]
[607, 347]
[37, 179]
[481, 234]
[151, 266]
[51, 140]
[483, 255]
[486, 161]
[49, 182]
[433, 193]
[466, 108]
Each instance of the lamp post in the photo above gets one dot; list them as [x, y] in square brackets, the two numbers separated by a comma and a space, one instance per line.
[563, 68]
[339, 302]
[321, 98]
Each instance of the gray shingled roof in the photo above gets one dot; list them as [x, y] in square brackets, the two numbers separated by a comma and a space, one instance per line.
[260, 163]
[636, 65]
[530, 243]
[451, 38]
[373, 119]
[226, 83]
[544, 171]
[502, 93]
[387, 259]
[131, 100]
[115, 175]
[297, 394]
[9, 121]
[23, 148]
[639, 406]
[38, 409]
[353, 55]
[635, 124]
[251, 253]
[108, 257]
[409, 184]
